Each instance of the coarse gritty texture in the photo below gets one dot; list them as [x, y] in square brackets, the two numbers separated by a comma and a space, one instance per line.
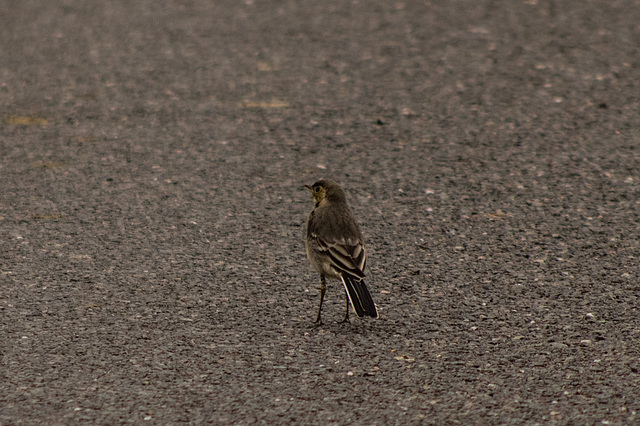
[152, 162]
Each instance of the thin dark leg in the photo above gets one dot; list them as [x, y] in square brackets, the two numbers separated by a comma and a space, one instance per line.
[323, 288]
[346, 312]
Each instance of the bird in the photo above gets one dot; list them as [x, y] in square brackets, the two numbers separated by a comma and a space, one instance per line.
[335, 248]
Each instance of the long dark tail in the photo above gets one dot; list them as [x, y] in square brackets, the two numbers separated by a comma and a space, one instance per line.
[359, 296]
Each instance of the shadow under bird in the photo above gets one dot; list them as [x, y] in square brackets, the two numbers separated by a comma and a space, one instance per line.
[335, 248]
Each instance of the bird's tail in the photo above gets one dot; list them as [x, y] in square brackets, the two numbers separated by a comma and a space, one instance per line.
[359, 296]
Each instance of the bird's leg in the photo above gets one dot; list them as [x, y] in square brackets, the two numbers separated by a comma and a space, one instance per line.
[323, 288]
[346, 312]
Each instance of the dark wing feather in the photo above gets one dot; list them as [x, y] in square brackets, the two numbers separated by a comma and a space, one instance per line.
[343, 257]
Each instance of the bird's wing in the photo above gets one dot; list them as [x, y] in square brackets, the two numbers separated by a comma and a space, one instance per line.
[346, 255]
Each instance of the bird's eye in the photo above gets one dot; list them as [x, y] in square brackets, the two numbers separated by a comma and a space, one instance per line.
[316, 189]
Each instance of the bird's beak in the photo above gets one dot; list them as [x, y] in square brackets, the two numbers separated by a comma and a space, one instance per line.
[308, 187]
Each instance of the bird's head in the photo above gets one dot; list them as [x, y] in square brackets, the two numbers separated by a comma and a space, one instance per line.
[326, 190]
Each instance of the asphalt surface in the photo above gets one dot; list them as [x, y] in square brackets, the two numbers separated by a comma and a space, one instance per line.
[152, 162]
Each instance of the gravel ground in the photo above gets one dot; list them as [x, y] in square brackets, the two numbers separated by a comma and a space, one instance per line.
[152, 161]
